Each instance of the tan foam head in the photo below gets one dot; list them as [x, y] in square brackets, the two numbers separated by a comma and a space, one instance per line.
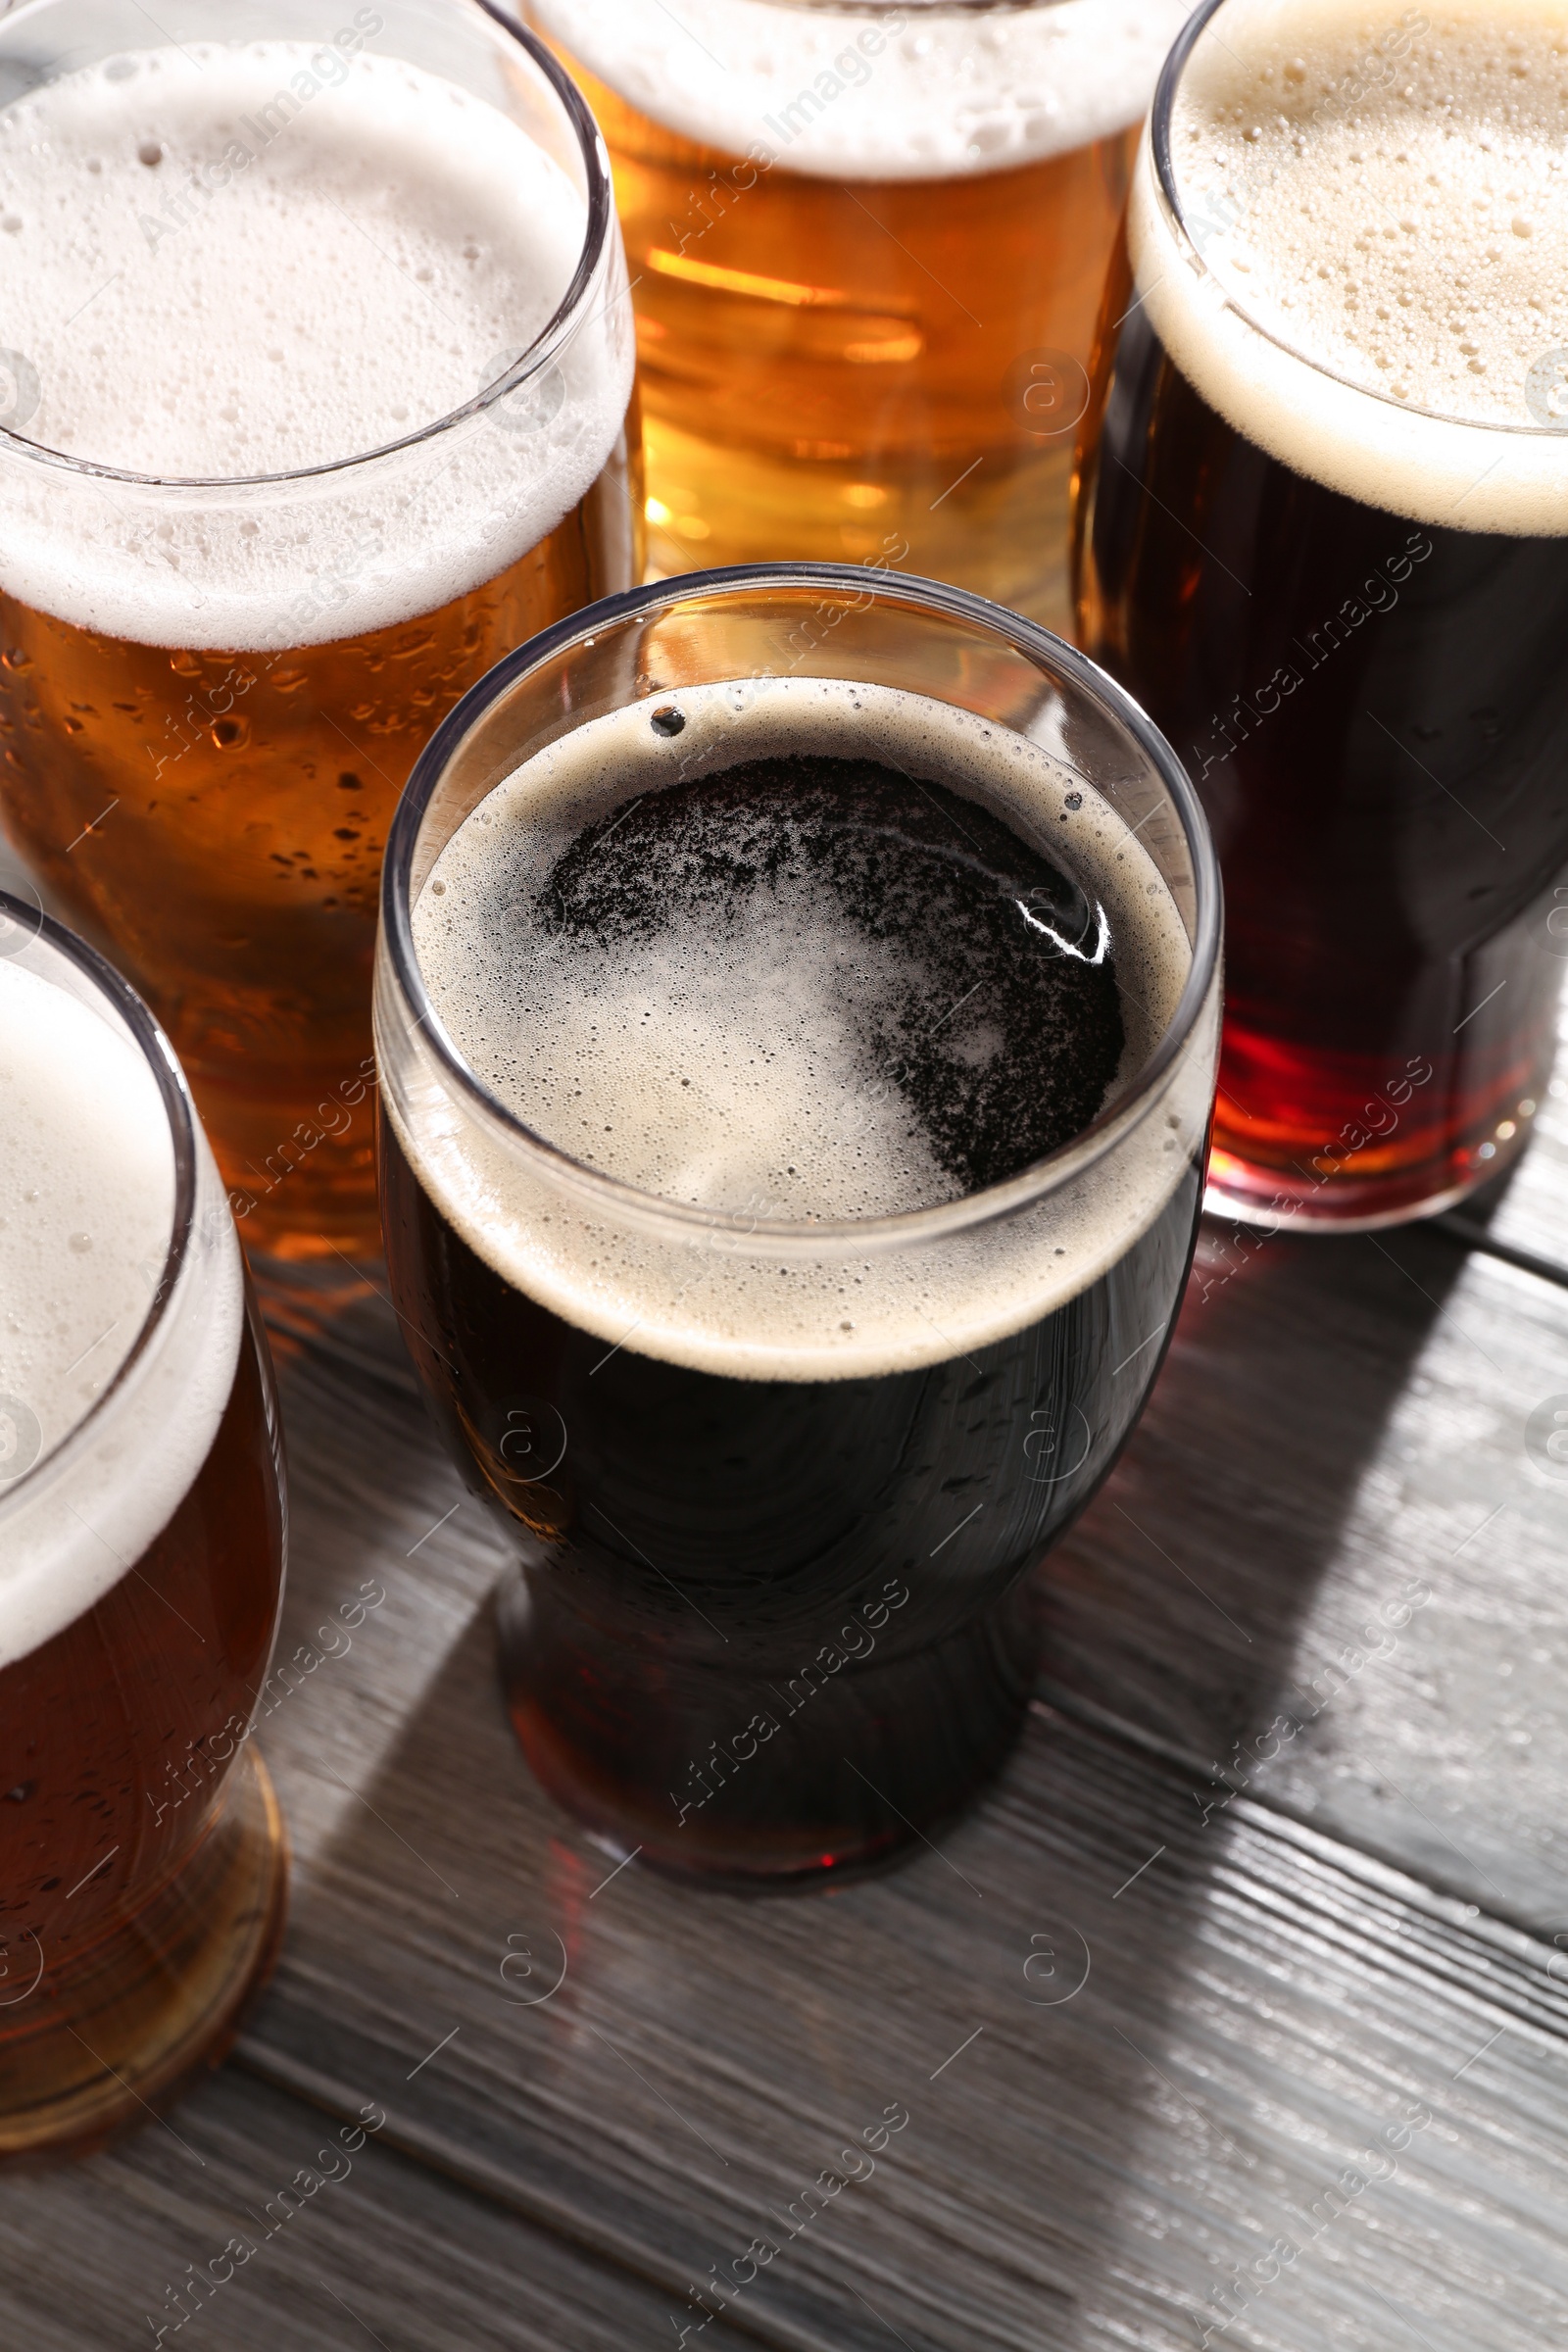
[1381, 209]
[718, 1069]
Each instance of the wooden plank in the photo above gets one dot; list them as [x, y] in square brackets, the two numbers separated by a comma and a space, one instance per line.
[379, 2252]
[1256, 2017]
[1348, 1435]
[1261, 2005]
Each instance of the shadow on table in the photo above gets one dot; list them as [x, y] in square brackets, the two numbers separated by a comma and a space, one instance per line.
[678, 2079]
[1184, 1602]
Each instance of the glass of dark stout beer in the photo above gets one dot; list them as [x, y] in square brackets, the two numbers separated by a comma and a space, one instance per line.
[142, 1858]
[796, 1004]
[1323, 537]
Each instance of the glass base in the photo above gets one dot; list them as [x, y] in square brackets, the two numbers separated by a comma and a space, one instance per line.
[1348, 1142]
[108, 2038]
[1247, 1194]
[752, 1781]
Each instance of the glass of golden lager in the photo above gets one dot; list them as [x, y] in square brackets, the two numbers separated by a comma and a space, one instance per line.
[867, 244]
[317, 395]
[143, 1859]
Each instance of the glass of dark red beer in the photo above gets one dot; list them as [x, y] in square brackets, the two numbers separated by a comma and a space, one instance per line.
[1322, 535]
[797, 1004]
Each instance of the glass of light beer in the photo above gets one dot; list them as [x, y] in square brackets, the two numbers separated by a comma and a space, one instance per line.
[142, 1861]
[1323, 536]
[868, 245]
[317, 395]
[797, 1002]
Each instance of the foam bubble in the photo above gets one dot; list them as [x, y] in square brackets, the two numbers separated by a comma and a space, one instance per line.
[87, 1209]
[837, 93]
[1387, 202]
[727, 1060]
[218, 263]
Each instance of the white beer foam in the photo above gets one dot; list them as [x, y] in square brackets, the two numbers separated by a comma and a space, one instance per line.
[86, 1211]
[225, 262]
[780, 1120]
[918, 92]
[1386, 200]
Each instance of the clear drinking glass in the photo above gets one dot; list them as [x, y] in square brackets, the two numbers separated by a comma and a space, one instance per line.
[769, 1620]
[142, 1855]
[211, 689]
[1343, 597]
[867, 244]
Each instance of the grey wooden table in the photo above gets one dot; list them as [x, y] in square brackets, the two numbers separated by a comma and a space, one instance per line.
[1239, 2013]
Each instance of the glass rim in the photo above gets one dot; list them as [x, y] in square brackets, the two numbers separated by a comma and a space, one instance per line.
[556, 331]
[921, 8]
[1165, 91]
[180, 1109]
[809, 1237]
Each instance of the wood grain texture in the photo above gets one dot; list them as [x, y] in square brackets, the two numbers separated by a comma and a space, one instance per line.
[386, 2253]
[1261, 2002]
[1256, 2017]
[1342, 1428]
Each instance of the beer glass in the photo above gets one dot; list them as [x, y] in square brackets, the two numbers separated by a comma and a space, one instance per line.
[319, 397]
[1323, 536]
[780, 1421]
[867, 244]
[143, 1859]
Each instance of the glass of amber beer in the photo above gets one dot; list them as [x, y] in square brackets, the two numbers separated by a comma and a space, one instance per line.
[797, 1004]
[317, 396]
[1323, 537]
[142, 1862]
[867, 244]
